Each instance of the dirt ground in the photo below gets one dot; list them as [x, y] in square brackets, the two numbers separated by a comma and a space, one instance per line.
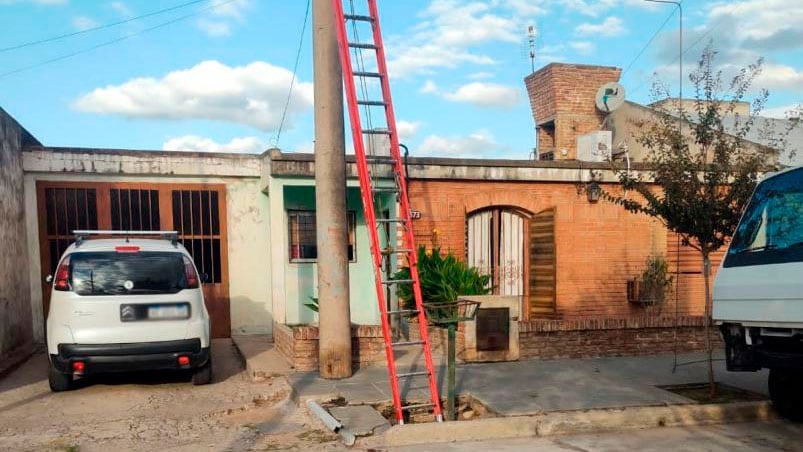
[156, 412]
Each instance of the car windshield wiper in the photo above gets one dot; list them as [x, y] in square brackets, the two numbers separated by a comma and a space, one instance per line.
[755, 249]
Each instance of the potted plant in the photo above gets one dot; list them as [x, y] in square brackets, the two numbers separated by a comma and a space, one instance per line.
[652, 287]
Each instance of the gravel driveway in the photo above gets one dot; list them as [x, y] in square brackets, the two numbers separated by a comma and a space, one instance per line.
[154, 412]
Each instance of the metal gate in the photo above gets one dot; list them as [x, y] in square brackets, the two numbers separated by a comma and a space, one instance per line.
[196, 211]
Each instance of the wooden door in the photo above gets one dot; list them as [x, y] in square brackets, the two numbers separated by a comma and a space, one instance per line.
[196, 211]
[542, 277]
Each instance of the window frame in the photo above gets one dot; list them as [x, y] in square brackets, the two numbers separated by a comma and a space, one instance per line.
[351, 219]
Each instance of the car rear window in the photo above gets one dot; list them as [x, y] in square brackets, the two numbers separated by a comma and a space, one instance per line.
[112, 273]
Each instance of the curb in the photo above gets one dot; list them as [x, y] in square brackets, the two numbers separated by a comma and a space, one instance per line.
[572, 422]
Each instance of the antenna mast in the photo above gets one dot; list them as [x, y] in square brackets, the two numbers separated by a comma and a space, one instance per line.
[531, 42]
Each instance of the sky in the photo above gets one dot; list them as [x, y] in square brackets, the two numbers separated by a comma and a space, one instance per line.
[216, 75]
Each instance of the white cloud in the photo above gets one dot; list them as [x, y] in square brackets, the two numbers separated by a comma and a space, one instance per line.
[481, 75]
[476, 145]
[779, 76]
[429, 87]
[214, 28]
[253, 94]
[195, 143]
[527, 7]
[483, 94]
[82, 23]
[766, 28]
[582, 47]
[407, 129]
[447, 35]
[610, 27]
[122, 9]
[222, 16]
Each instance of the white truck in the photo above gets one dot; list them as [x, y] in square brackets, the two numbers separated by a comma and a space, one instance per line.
[758, 290]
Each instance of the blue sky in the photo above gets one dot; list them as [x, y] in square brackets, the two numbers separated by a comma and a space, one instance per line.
[215, 75]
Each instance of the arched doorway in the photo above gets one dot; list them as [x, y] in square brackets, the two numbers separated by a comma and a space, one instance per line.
[496, 245]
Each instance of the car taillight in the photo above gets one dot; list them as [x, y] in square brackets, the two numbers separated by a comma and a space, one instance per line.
[62, 279]
[189, 272]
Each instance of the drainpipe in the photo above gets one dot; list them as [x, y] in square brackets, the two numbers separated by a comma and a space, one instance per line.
[331, 423]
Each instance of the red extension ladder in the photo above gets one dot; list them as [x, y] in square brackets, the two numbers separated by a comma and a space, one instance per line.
[377, 150]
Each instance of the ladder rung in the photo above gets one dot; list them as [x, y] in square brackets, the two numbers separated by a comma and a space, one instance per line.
[380, 159]
[377, 103]
[397, 281]
[417, 405]
[358, 17]
[367, 74]
[412, 374]
[385, 189]
[405, 344]
[376, 131]
[396, 251]
[390, 220]
[403, 311]
[362, 45]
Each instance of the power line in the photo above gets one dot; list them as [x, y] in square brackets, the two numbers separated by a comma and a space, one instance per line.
[654, 35]
[113, 41]
[293, 80]
[99, 27]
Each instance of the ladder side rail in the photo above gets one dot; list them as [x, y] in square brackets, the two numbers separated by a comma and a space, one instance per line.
[404, 203]
[367, 195]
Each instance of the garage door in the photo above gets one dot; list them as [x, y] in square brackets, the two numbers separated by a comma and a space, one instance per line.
[196, 211]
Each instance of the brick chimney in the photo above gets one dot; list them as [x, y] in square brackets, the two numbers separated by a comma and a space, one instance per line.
[562, 100]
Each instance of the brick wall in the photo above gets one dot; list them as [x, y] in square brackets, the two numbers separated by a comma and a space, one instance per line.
[538, 339]
[599, 246]
[298, 344]
[545, 339]
[564, 93]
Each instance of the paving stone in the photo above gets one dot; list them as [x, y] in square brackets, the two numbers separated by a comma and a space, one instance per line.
[362, 420]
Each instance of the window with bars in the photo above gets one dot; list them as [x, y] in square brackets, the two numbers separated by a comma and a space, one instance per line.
[67, 210]
[134, 210]
[302, 236]
[196, 218]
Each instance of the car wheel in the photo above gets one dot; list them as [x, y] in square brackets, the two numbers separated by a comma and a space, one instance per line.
[786, 393]
[59, 381]
[203, 374]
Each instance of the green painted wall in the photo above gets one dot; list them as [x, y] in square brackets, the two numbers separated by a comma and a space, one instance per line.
[300, 279]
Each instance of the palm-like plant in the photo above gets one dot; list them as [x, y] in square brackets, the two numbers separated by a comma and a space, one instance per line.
[443, 279]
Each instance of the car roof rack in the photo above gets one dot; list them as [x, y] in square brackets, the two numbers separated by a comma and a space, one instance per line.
[82, 235]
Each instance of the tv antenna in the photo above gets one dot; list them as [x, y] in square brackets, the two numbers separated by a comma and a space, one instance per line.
[531, 43]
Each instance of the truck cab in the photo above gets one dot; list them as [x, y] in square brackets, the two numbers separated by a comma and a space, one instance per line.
[758, 290]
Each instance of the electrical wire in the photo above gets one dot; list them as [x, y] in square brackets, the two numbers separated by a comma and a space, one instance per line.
[99, 27]
[649, 42]
[292, 80]
[113, 41]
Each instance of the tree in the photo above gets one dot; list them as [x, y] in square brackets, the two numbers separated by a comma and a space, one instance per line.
[702, 172]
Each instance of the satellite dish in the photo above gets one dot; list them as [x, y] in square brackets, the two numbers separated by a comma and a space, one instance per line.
[610, 96]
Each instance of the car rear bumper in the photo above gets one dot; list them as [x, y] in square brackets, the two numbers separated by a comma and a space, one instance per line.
[106, 358]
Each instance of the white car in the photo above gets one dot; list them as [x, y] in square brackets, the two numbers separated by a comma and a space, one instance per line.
[126, 303]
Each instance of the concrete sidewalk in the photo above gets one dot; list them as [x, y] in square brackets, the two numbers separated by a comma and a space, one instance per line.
[530, 387]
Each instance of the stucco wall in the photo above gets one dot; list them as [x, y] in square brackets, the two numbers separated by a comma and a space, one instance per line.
[15, 297]
[246, 206]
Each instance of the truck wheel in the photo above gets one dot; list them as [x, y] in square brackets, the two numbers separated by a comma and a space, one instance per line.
[203, 374]
[786, 393]
[58, 381]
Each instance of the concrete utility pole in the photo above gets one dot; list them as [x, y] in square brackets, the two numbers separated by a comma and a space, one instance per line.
[334, 344]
